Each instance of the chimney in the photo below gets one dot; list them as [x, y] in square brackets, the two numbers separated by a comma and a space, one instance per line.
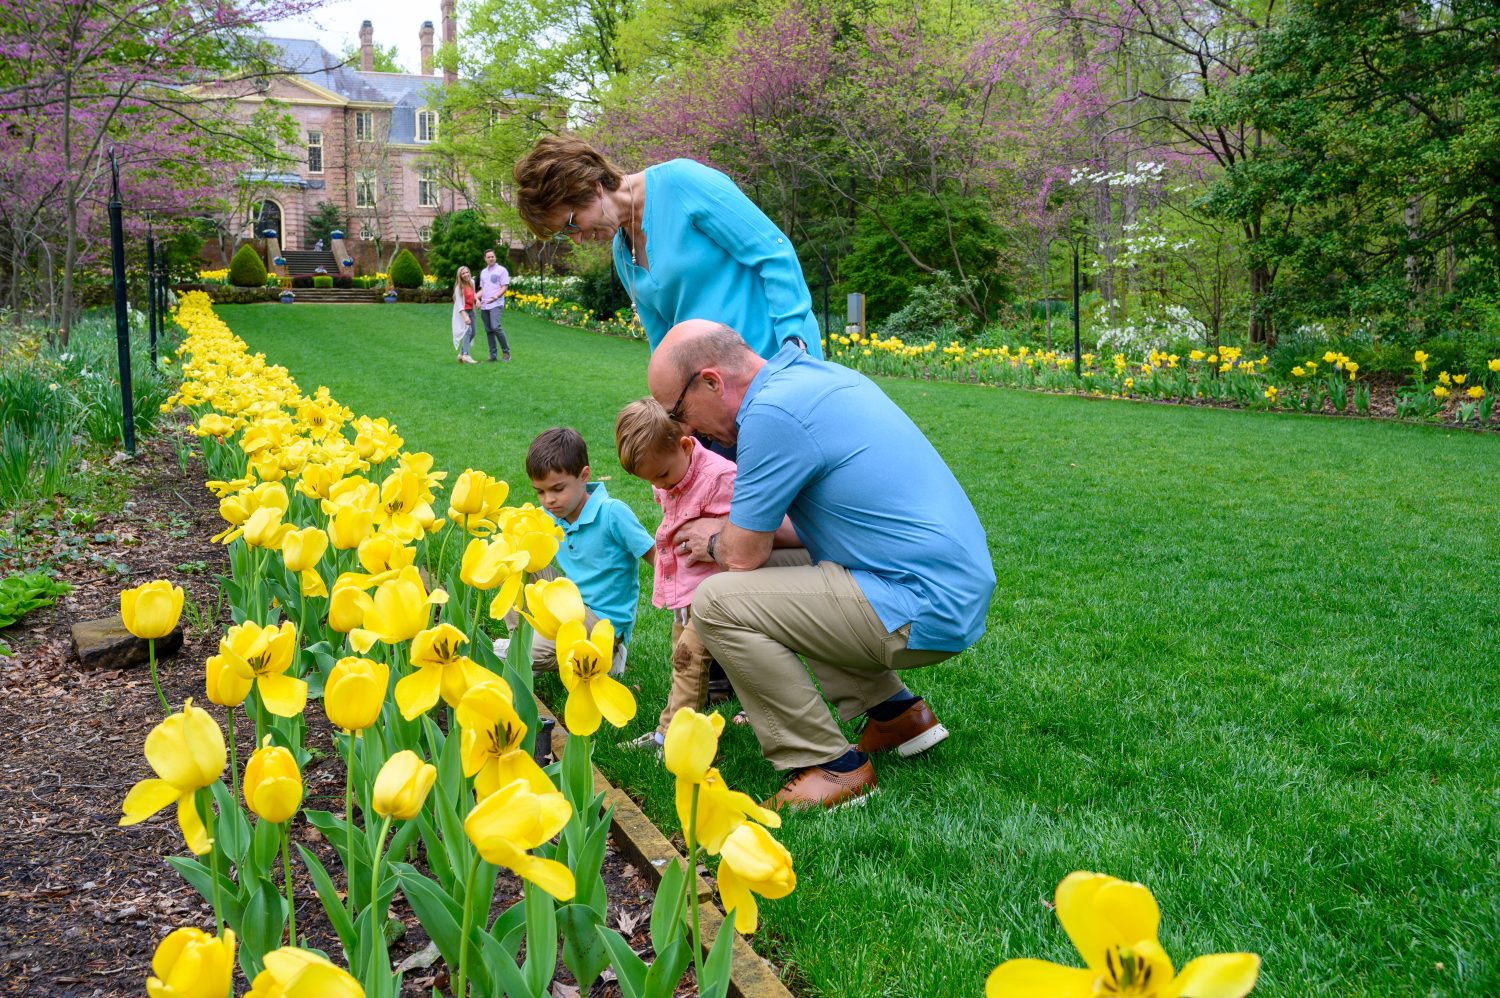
[426, 35]
[367, 47]
[450, 40]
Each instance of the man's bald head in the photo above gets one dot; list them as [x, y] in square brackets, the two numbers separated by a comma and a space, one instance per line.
[701, 351]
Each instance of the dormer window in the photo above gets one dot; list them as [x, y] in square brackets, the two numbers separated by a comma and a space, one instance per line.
[427, 123]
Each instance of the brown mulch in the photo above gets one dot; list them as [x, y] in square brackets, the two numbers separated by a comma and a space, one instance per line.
[83, 903]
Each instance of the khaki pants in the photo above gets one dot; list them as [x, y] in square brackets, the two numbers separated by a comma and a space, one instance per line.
[757, 623]
[690, 661]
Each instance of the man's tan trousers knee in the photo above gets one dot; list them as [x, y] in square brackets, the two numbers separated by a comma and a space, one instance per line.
[757, 623]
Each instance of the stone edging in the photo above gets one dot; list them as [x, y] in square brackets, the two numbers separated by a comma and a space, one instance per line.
[649, 850]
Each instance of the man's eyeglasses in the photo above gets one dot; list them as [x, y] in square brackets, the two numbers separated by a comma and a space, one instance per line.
[675, 413]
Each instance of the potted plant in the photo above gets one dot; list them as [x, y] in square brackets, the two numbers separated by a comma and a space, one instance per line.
[336, 234]
[268, 233]
[390, 296]
[287, 297]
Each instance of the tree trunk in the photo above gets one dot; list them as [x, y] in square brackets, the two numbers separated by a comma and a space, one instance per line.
[1262, 331]
[70, 207]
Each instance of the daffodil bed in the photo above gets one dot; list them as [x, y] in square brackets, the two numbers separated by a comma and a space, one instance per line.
[1241, 658]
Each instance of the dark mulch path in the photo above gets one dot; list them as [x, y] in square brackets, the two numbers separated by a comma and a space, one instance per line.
[83, 903]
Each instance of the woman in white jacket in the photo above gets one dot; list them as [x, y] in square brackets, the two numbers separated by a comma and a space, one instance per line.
[463, 314]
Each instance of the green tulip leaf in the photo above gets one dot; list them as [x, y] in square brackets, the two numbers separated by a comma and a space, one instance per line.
[715, 983]
[630, 969]
[510, 927]
[667, 922]
[441, 917]
[333, 907]
[666, 970]
[541, 938]
[583, 951]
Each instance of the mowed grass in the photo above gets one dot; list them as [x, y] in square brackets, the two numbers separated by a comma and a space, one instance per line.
[1249, 660]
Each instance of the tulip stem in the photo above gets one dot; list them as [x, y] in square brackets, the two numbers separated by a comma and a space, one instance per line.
[377, 917]
[213, 859]
[151, 653]
[349, 824]
[463, 941]
[234, 765]
[473, 628]
[286, 861]
[692, 888]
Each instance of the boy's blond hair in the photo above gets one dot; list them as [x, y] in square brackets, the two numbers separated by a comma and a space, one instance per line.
[643, 428]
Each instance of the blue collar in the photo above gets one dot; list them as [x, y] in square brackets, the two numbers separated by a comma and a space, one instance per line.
[783, 359]
[592, 491]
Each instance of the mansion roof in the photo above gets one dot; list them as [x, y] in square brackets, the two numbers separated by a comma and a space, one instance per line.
[315, 64]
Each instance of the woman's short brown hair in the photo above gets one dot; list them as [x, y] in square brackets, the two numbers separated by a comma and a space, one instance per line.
[643, 428]
[560, 171]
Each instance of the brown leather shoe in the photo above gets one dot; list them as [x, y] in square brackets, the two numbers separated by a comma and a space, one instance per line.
[819, 787]
[914, 730]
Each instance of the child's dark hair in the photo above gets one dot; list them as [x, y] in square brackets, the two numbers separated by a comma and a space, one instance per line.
[558, 449]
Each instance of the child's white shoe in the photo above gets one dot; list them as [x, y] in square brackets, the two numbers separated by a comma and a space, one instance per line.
[502, 646]
[653, 740]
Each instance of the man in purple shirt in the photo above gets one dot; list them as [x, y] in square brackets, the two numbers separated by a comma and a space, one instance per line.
[493, 280]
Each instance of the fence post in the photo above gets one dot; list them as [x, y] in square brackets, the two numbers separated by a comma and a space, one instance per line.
[122, 316]
[151, 295]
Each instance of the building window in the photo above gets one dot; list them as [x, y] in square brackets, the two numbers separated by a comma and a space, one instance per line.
[314, 152]
[368, 231]
[364, 189]
[427, 189]
[425, 233]
[426, 126]
[364, 126]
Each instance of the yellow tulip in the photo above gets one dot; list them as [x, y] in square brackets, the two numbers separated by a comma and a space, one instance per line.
[262, 655]
[493, 737]
[355, 692]
[487, 564]
[753, 863]
[549, 602]
[720, 810]
[151, 609]
[273, 784]
[226, 686]
[385, 553]
[402, 785]
[264, 529]
[513, 819]
[1495, 366]
[191, 963]
[295, 973]
[399, 609]
[348, 526]
[318, 479]
[583, 665]
[1114, 926]
[438, 668]
[349, 603]
[401, 511]
[1476, 392]
[692, 742]
[476, 494]
[303, 549]
[187, 752]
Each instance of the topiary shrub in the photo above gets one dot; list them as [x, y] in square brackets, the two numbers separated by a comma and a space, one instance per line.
[343, 282]
[322, 281]
[406, 272]
[247, 270]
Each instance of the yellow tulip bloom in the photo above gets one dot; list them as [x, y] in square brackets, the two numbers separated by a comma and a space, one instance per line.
[692, 742]
[583, 665]
[355, 692]
[187, 752]
[505, 824]
[492, 741]
[318, 479]
[262, 655]
[191, 963]
[402, 785]
[264, 529]
[226, 686]
[303, 549]
[1495, 366]
[438, 668]
[151, 610]
[549, 602]
[348, 525]
[1114, 926]
[753, 863]
[385, 553]
[273, 784]
[487, 564]
[720, 810]
[349, 603]
[477, 495]
[1476, 391]
[402, 511]
[295, 973]
[400, 608]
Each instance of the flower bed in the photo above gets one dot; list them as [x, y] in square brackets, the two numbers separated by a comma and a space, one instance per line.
[566, 313]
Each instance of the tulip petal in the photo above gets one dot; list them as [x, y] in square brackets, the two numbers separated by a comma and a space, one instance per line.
[312, 583]
[193, 831]
[738, 899]
[145, 799]
[1101, 913]
[580, 713]
[417, 693]
[615, 701]
[1038, 979]
[1221, 975]
[548, 874]
[283, 695]
[362, 640]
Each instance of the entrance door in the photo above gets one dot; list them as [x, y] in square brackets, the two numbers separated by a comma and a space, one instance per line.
[269, 217]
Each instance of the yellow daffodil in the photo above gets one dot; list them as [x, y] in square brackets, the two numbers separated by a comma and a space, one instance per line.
[191, 963]
[493, 734]
[273, 784]
[399, 609]
[348, 526]
[583, 662]
[1114, 926]
[295, 973]
[355, 692]
[1495, 365]
[720, 810]
[514, 819]
[1476, 392]
[187, 752]
[438, 668]
[151, 610]
[384, 553]
[262, 655]
[550, 602]
[1271, 392]
[402, 785]
[753, 863]
[692, 741]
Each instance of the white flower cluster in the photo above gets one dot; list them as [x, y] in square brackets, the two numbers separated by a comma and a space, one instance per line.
[1152, 331]
[534, 284]
[1143, 174]
[1135, 249]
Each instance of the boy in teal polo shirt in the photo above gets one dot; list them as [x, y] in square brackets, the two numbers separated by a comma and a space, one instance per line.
[602, 540]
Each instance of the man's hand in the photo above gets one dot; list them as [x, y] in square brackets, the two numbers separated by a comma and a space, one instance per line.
[738, 549]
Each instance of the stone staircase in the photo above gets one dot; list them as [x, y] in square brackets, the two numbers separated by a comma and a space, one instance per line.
[351, 296]
[308, 262]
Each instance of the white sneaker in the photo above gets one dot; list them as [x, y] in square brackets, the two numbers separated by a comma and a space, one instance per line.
[502, 646]
[653, 740]
[469, 360]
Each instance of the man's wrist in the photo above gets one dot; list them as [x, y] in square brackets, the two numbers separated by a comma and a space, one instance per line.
[713, 547]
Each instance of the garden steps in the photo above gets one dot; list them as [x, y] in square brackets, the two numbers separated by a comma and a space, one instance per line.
[308, 262]
[344, 296]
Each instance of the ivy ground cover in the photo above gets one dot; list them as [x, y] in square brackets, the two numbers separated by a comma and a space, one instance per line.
[1243, 658]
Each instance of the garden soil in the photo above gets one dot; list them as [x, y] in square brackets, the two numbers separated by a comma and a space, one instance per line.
[83, 902]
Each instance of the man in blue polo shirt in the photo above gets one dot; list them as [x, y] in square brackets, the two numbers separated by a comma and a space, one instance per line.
[896, 572]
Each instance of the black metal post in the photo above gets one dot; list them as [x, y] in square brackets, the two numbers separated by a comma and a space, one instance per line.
[161, 293]
[151, 287]
[1077, 349]
[823, 256]
[122, 315]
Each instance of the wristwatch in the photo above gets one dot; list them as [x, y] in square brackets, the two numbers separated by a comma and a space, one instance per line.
[713, 547]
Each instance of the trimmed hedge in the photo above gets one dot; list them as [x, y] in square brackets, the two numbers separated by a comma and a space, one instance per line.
[322, 281]
[223, 294]
[406, 272]
[302, 280]
[247, 270]
[343, 282]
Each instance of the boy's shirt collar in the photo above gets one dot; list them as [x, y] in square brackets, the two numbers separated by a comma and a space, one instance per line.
[590, 510]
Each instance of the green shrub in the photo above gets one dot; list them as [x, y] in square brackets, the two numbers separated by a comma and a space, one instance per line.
[459, 239]
[322, 281]
[247, 270]
[597, 288]
[20, 594]
[406, 272]
[932, 311]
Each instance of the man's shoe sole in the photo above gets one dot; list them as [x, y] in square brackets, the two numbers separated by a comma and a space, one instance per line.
[856, 801]
[923, 742]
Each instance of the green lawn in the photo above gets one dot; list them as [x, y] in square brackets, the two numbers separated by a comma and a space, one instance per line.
[1247, 659]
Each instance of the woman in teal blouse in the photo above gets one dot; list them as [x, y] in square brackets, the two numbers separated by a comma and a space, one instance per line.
[688, 244]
